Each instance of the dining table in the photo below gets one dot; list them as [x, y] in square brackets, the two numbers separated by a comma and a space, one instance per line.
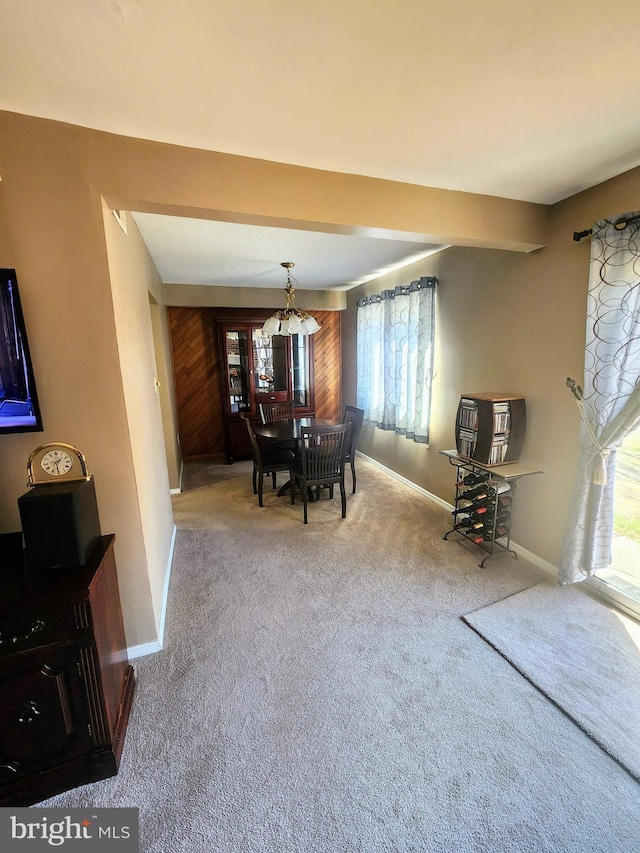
[289, 430]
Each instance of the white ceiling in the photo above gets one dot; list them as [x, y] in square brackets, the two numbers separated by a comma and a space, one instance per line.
[532, 101]
[197, 251]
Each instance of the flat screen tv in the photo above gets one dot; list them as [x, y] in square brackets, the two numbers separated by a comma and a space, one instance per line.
[19, 410]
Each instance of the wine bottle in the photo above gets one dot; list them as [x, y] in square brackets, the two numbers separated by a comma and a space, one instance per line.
[460, 509]
[492, 504]
[490, 534]
[471, 479]
[468, 524]
[471, 494]
[498, 489]
[481, 497]
[494, 531]
[496, 509]
[482, 500]
[486, 524]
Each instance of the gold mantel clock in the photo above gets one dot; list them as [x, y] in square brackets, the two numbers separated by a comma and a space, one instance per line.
[56, 462]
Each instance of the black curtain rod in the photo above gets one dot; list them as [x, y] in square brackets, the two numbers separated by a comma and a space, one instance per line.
[620, 225]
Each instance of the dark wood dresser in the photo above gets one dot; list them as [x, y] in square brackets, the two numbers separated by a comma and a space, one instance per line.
[66, 684]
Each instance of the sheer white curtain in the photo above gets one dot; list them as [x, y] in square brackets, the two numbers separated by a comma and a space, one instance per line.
[395, 358]
[610, 398]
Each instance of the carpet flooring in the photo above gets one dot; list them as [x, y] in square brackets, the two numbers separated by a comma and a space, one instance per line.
[318, 692]
[583, 655]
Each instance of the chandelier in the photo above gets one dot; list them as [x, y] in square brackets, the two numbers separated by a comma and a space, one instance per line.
[290, 321]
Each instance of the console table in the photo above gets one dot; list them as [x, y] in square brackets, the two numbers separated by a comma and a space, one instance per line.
[66, 684]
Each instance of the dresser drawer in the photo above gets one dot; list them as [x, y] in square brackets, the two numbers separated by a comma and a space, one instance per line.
[43, 624]
[43, 710]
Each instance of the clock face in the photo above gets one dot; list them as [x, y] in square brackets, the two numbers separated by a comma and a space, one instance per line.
[56, 462]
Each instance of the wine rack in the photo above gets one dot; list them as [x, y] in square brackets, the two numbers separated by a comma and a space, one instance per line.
[490, 428]
[484, 503]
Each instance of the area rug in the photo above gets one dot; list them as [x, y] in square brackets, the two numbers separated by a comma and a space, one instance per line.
[583, 655]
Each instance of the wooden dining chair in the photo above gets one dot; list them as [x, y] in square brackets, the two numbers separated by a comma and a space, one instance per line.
[353, 416]
[321, 462]
[272, 412]
[269, 462]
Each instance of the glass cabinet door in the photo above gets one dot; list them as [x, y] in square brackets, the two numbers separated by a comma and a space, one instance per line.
[270, 364]
[256, 368]
[237, 355]
[300, 370]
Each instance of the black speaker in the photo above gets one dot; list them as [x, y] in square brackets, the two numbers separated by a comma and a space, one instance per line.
[11, 558]
[60, 524]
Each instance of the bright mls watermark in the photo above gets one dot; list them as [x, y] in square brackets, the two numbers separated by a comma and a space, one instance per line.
[34, 829]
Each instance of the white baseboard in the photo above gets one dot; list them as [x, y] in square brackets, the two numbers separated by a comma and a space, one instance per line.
[535, 560]
[156, 645]
[165, 591]
[530, 557]
[178, 491]
[143, 650]
[409, 483]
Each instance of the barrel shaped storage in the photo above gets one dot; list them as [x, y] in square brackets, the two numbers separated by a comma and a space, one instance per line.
[490, 428]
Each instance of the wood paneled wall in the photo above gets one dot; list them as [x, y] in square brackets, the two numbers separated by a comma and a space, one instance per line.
[327, 359]
[197, 374]
[197, 380]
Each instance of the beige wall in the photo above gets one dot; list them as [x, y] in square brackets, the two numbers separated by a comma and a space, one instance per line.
[74, 280]
[158, 178]
[514, 323]
[134, 279]
[52, 232]
[166, 390]
[203, 296]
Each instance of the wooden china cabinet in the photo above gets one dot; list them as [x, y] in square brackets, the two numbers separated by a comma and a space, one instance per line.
[256, 368]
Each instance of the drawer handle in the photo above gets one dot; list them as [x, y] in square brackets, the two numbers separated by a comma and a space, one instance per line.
[29, 712]
[36, 626]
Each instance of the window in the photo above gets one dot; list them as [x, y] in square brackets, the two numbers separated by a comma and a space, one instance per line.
[610, 410]
[623, 573]
[395, 358]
